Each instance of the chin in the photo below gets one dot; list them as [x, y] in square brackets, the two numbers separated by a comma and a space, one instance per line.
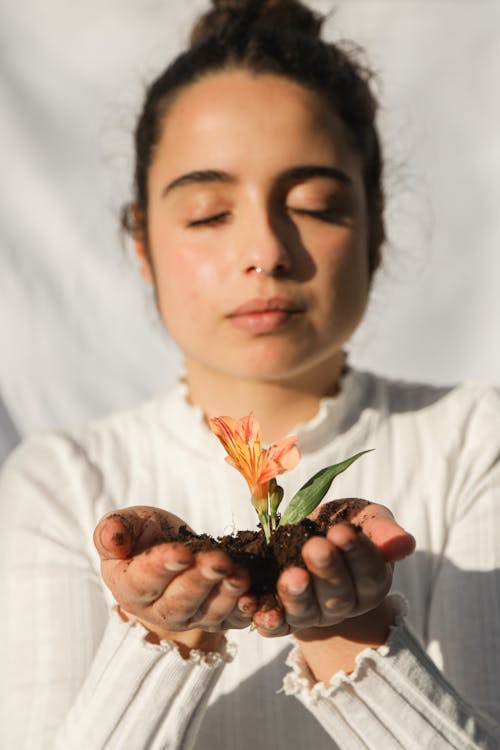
[281, 370]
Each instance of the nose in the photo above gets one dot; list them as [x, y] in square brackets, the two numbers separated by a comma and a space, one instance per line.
[268, 252]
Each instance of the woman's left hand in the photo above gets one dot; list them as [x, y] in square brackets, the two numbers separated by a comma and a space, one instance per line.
[348, 574]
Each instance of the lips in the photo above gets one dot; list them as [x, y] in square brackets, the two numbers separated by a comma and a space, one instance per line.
[266, 315]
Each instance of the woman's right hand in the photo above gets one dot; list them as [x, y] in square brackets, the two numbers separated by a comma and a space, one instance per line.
[190, 599]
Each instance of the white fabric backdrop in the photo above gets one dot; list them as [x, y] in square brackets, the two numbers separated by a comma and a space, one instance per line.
[78, 331]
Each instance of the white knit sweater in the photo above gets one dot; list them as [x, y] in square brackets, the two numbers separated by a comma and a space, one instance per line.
[75, 676]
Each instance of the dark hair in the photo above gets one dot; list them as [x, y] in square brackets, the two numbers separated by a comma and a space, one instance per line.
[280, 37]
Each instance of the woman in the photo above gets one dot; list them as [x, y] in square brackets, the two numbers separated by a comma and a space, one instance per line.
[258, 218]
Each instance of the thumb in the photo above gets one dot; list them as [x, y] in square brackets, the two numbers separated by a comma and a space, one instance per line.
[129, 531]
[116, 533]
[378, 523]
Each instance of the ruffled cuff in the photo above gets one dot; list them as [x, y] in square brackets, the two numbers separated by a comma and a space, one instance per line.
[301, 681]
[211, 659]
[140, 694]
[395, 698]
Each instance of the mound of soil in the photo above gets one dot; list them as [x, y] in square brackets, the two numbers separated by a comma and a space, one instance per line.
[264, 561]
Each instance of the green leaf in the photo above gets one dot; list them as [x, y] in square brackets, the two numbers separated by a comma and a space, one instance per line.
[313, 491]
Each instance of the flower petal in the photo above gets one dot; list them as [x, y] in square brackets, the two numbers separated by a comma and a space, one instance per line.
[224, 429]
[248, 429]
[241, 440]
[280, 457]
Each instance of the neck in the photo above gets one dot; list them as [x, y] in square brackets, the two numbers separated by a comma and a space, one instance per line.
[278, 405]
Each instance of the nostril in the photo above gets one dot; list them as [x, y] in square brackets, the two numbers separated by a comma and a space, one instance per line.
[278, 269]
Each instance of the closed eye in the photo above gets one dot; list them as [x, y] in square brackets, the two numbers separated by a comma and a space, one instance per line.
[209, 220]
[328, 214]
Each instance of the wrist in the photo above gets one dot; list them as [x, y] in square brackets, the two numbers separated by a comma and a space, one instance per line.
[186, 641]
[190, 640]
[332, 649]
[371, 627]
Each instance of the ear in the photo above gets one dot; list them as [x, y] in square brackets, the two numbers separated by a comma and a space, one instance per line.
[137, 227]
[142, 254]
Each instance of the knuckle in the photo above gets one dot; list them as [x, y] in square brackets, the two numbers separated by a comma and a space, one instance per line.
[341, 605]
[147, 593]
[340, 589]
[209, 614]
[174, 612]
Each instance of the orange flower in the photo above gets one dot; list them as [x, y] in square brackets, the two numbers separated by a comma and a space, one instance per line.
[242, 441]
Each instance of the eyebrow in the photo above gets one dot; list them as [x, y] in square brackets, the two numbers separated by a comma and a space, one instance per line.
[198, 177]
[300, 173]
[309, 171]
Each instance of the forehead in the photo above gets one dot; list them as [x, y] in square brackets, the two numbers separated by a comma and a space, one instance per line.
[229, 118]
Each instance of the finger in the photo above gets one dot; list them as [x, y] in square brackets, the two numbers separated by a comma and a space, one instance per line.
[242, 614]
[132, 530]
[115, 534]
[188, 591]
[271, 624]
[221, 601]
[269, 620]
[139, 581]
[298, 597]
[332, 582]
[370, 572]
[378, 523]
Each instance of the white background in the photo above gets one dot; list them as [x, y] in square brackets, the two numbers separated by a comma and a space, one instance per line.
[78, 331]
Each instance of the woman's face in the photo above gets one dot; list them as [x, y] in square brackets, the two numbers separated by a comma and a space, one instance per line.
[257, 229]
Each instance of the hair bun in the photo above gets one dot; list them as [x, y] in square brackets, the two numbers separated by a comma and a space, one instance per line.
[290, 14]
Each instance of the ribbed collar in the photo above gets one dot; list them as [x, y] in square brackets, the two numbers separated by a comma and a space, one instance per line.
[335, 415]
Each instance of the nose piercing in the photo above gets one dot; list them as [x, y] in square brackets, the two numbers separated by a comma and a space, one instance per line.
[258, 269]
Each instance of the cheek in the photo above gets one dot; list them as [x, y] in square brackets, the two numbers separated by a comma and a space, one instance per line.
[349, 263]
[345, 279]
[186, 287]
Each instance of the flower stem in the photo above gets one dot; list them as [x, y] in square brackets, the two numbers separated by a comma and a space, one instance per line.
[264, 520]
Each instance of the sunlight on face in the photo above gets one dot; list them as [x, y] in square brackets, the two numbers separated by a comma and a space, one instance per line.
[257, 228]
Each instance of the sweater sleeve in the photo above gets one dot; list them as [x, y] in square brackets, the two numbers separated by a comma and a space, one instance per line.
[397, 696]
[140, 695]
[74, 675]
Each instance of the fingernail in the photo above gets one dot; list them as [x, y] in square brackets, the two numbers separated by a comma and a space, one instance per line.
[175, 566]
[297, 589]
[321, 561]
[212, 574]
[232, 586]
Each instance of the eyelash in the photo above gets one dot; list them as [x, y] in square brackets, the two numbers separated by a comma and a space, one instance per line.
[326, 215]
[209, 220]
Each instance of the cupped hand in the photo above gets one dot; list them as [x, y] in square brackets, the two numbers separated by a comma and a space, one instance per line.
[348, 573]
[162, 584]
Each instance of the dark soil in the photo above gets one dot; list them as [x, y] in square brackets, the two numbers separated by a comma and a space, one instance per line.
[266, 561]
